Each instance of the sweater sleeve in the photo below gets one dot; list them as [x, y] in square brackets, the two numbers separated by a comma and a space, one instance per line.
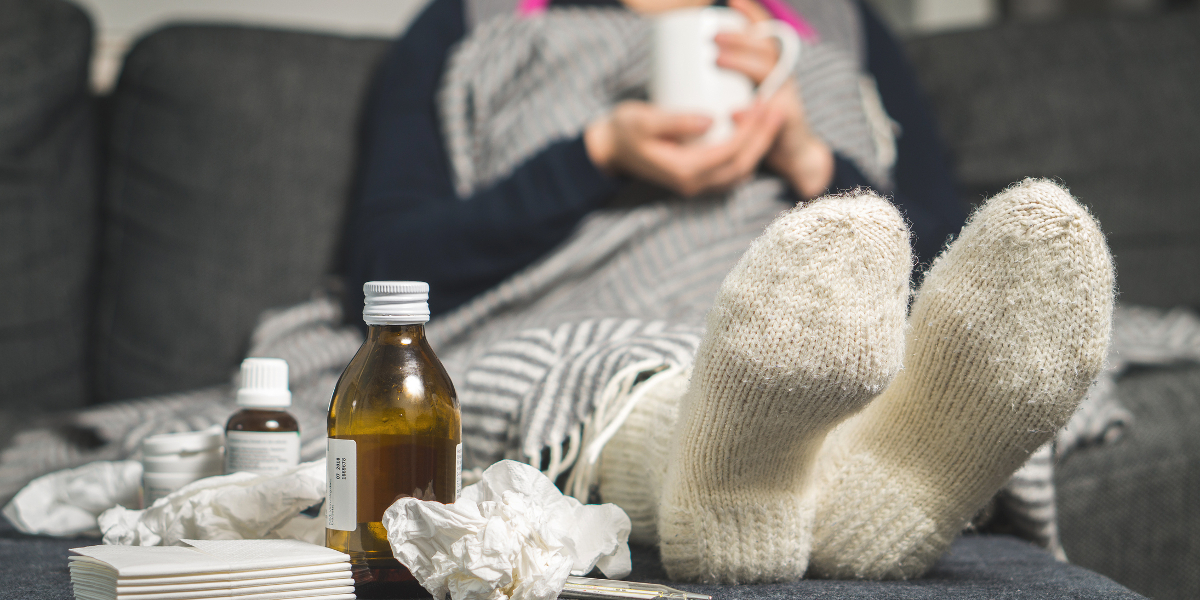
[405, 220]
[925, 190]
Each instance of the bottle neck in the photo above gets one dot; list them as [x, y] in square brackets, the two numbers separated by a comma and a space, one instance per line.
[399, 334]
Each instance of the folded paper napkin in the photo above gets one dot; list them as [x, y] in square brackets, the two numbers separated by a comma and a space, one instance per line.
[512, 535]
[239, 505]
[244, 569]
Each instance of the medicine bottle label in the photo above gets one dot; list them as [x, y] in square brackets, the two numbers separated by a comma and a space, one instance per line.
[458, 470]
[341, 477]
[261, 452]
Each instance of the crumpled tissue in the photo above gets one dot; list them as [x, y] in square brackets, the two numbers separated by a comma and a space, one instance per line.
[228, 507]
[512, 535]
[67, 502]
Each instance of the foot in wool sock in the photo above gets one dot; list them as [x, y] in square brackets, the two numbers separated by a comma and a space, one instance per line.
[805, 330]
[1009, 328]
[634, 462]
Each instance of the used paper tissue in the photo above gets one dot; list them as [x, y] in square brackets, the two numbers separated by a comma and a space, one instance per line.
[66, 503]
[240, 505]
[512, 535]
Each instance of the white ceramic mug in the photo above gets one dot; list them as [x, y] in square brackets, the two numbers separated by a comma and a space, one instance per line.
[686, 77]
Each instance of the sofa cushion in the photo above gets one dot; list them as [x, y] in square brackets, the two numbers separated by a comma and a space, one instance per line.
[1105, 105]
[48, 207]
[1128, 510]
[231, 152]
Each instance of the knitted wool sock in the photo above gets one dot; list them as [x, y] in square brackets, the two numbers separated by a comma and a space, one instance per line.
[805, 330]
[634, 462]
[1009, 328]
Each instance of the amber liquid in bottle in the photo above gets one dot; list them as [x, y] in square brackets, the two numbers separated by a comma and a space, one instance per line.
[256, 419]
[262, 456]
[398, 405]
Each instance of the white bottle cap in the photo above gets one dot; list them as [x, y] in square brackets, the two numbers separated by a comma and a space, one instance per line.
[396, 302]
[209, 439]
[264, 384]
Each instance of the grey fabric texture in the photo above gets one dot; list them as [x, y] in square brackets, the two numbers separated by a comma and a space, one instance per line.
[478, 11]
[48, 202]
[232, 153]
[977, 567]
[1108, 107]
[35, 568]
[839, 23]
[1128, 510]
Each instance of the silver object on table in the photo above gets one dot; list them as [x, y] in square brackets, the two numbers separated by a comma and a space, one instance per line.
[585, 588]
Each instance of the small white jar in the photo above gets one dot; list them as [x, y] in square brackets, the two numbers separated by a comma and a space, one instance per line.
[173, 460]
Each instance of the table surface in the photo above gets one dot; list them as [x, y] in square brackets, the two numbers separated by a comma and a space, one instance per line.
[993, 567]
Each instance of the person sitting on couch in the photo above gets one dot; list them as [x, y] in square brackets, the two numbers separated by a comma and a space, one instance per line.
[408, 221]
[796, 445]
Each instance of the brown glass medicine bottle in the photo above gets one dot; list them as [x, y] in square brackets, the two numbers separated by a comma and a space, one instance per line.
[262, 438]
[394, 430]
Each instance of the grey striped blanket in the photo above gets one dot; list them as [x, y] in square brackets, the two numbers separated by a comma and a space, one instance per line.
[533, 356]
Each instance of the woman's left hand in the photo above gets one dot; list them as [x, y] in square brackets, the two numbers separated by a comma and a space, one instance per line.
[797, 153]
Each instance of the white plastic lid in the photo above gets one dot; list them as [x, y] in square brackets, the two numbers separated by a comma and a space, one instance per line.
[396, 302]
[264, 384]
[174, 443]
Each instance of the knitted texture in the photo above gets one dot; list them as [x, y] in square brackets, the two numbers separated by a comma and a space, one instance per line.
[633, 464]
[1007, 332]
[805, 330]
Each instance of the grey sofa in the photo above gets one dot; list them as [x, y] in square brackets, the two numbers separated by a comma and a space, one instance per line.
[142, 233]
[1110, 107]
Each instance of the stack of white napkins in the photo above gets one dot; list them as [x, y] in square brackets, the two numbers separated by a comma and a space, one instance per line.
[243, 569]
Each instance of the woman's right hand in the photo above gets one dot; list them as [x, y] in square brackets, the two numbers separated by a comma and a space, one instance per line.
[799, 154]
[638, 139]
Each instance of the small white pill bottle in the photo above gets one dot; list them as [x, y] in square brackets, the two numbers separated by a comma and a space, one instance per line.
[173, 460]
[263, 437]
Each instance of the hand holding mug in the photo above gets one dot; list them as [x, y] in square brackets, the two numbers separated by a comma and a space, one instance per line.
[645, 141]
[687, 77]
[707, 62]
[797, 154]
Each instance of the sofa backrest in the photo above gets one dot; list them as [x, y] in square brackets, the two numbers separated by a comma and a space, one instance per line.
[48, 204]
[230, 158]
[1107, 106]
[230, 154]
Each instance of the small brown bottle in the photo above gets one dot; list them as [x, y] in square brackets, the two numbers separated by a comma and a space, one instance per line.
[395, 430]
[262, 438]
